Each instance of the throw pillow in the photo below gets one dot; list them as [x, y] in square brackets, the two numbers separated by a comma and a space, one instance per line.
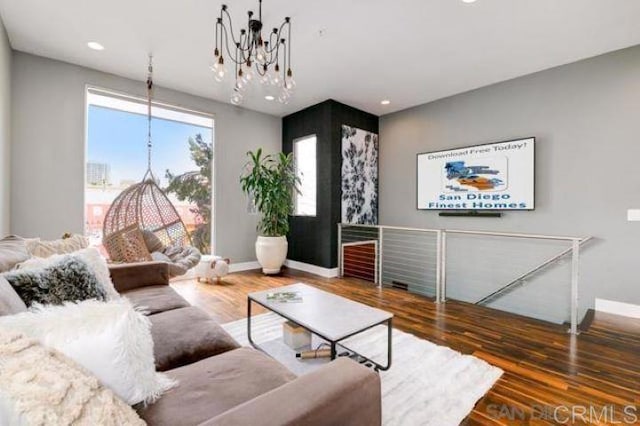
[65, 245]
[41, 386]
[10, 302]
[91, 256]
[13, 250]
[68, 279]
[110, 339]
[152, 241]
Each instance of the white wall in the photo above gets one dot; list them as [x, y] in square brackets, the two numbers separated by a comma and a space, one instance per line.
[5, 130]
[48, 118]
[586, 118]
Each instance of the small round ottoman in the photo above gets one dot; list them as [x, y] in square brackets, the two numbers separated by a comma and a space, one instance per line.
[212, 268]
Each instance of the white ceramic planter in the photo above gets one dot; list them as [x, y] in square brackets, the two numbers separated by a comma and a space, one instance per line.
[271, 253]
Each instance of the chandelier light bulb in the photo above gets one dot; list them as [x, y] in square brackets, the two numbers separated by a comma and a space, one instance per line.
[219, 71]
[289, 82]
[260, 54]
[284, 97]
[219, 75]
[236, 97]
[248, 73]
[264, 78]
[275, 78]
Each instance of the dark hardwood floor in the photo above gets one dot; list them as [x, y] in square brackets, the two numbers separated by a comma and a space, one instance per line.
[595, 375]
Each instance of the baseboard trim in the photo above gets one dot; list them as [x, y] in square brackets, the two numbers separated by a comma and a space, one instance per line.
[312, 269]
[252, 265]
[244, 266]
[618, 308]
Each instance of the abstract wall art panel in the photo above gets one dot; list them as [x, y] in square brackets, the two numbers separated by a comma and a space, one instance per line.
[359, 176]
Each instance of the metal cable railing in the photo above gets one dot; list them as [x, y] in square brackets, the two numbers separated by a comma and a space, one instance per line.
[521, 273]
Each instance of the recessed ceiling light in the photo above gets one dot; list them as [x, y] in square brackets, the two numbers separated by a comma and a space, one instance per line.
[468, 1]
[269, 97]
[385, 102]
[95, 45]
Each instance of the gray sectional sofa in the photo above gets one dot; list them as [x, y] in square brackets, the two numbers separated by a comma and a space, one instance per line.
[221, 383]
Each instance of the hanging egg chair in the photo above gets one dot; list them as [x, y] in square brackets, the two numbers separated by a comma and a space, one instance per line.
[143, 225]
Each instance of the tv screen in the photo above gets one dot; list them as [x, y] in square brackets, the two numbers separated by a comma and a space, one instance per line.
[496, 176]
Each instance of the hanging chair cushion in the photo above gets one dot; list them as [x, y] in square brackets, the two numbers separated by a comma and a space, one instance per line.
[174, 269]
[182, 258]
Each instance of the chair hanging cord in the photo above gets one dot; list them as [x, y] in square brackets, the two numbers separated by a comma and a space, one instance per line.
[149, 93]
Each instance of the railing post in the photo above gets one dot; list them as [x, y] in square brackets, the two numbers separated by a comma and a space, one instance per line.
[380, 236]
[443, 266]
[376, 264]
[340, 267]
[438, 265]
[575, 275]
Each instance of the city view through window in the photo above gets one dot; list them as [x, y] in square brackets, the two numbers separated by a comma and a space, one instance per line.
[116, 157]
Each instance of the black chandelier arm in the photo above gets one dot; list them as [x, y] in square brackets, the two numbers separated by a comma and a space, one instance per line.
[239, 46]
[226, 12]
[277, 49]
[289, 46]
[277, 32]
[235, 60]
[275, 45]
[233, 57]
[233, 39]
[284, 55]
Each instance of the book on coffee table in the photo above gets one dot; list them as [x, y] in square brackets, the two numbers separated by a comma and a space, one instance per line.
[285, 297]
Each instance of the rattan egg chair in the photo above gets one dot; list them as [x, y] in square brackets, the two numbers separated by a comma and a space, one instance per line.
[142, 207]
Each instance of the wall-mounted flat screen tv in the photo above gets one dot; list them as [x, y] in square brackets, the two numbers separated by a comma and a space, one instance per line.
[495, 176]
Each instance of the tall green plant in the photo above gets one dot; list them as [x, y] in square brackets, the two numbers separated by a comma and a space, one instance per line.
[271, 181]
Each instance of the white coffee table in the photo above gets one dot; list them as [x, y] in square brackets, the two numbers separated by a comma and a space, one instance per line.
[331, 317]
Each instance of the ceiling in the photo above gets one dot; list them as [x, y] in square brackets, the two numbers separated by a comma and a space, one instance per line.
[357, 52]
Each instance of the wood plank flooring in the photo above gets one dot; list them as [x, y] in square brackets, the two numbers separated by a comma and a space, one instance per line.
[550, 376]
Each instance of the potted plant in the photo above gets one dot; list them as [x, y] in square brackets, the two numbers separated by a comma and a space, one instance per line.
[271, 182]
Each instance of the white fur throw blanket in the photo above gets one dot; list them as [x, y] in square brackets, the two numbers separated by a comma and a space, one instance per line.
[40, 386]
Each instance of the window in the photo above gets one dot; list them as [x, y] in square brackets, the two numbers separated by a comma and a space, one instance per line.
[116, 157]
[304, 155]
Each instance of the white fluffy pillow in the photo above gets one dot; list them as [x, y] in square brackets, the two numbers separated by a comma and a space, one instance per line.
[91, 256]
[110, 339]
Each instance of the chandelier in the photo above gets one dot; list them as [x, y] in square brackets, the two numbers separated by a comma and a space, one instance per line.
[254, 58]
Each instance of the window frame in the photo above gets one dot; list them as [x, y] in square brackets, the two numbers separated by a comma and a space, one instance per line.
[296, 196]
[91, 89]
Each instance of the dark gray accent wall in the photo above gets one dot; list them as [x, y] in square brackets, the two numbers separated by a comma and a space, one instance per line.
[586, 118]
[313, 240]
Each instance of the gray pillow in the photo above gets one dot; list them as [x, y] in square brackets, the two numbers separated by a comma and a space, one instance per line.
[152, 241]
[10, 302]
[13, 250]
[68, 280]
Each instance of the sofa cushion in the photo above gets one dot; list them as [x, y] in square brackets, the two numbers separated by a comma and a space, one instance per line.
[13, 250]
[186, 335]
[156, 298]
[10, 302]
[215, 385]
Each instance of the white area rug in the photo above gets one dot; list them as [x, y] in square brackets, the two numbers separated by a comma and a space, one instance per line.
[426, 385]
